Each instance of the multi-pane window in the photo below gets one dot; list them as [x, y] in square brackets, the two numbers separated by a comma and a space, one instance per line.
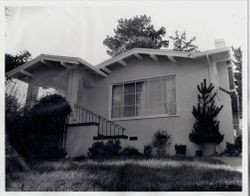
[143, 98]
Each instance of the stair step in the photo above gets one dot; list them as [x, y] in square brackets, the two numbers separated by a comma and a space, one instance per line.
[82, 124]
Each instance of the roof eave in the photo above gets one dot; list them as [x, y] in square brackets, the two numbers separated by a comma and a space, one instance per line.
[71, 60]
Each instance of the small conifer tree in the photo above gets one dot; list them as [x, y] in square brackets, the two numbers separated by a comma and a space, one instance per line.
[206, 127]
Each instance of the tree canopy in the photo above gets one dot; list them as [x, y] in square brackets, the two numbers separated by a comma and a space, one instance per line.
[180, 42]
[136, 32]
[13, 61]
[237, 54]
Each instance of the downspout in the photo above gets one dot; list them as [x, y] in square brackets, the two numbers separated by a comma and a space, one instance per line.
[210, 79]
[209, 68]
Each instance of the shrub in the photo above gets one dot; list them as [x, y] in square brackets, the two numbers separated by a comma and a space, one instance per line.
[130, 151]
[109, 149]
[79, 158]
[180, 149]
[96, 150]
[38, 131]
[112, 148]
[198, 153]
[148, 150]
[161, 140]
[206, 127]
[12, 115]
[238, 143]
[234, 149]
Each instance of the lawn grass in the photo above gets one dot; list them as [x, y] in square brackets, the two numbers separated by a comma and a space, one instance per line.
[169, 174]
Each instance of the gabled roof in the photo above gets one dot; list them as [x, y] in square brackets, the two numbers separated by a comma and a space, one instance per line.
[153, 53]
[65, 61]
[102, 68]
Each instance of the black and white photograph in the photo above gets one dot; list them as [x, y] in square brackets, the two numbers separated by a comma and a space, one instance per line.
[147, 96]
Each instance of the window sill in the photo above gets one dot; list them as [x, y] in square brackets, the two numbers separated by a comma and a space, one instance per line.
[144, 117]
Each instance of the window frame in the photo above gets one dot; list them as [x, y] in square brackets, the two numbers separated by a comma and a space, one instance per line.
[141, 116]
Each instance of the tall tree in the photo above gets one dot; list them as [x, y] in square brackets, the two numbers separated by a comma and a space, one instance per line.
[13, 61]
[237, 54]
[136, 32]
[180, 42]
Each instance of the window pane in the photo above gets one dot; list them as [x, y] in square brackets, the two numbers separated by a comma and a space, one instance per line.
[129, 88]
[141, 86]
[129, 99]
[141, 98]
[155, 91]
[170, 108]
[155, 85]
[117, 112]
[141, 110]
[155, 108]
[169, 96]
[155, 97]
[117, 101]
[129, 111]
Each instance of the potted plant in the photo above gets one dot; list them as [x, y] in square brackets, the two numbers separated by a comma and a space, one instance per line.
[180, 149]
[205, 130]
[160, 141]
[148, 150]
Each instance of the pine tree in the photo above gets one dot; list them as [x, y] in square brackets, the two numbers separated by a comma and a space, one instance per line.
[136, 32]
[180, 42]
[206, 127]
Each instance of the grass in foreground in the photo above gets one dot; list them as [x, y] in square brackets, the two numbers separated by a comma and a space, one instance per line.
[128, 175]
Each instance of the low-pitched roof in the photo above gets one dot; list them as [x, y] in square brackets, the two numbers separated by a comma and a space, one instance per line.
[159, 52]
[101, 68]
[65, 61]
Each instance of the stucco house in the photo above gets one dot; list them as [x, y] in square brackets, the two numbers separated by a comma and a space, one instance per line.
[130, 96]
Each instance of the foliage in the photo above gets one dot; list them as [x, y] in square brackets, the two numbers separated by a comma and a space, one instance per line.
[198, 153]
[112, 148]
[148, 150]
[234, 149]
[12, 110]
[38, 131]
[238, 143]
[206, 128]
[79, 158]
[180, 149]
[136, 32]
[237, 54]
[180, 42]
[130, 151]
[108, 149]
[96, 150]
[161, 139]
[14, 61]
[12, 114]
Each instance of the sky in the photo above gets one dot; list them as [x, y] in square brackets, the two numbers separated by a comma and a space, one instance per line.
[80, 30]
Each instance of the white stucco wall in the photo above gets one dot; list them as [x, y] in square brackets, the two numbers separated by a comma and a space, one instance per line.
[225, 116]
[79, 139]
[189, 73]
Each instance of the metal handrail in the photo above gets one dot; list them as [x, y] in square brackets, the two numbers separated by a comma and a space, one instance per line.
[105, 127]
